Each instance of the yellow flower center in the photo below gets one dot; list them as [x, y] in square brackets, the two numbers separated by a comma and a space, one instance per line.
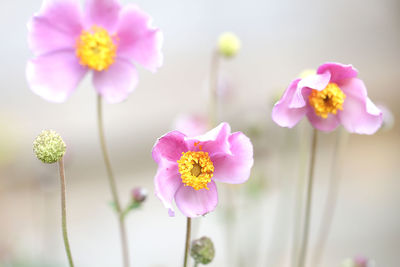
[96, 48]
[327, 101]
[196, 169]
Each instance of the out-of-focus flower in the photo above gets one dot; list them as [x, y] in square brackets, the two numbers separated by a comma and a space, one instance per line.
[189, 166]
[202, 250]
[357, 262]
[333, 96]
[388, 118]
[228, 44]
[139, 194]
[190, 125]
[105, 38]
[49, 146]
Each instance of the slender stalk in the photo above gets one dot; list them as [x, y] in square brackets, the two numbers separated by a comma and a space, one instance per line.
[306, 225]
[187, 243]
[298, 195]
[113, 186]
[64, 212]
[331, 198]
[212, 112]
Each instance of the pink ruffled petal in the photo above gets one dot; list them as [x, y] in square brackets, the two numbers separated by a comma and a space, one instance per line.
[56, 26]
[138, 40]
[326, 125]
[282, 113]
[117, 82]
[54, 76]
[214, 141]
[234, 168]
[102, 13]
[338, 71]
[359, 114]
[167, 182]
[169, 147]
[194, 203]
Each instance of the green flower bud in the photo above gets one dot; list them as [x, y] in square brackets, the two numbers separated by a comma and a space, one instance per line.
[228, 44]
[202, 250]
[49, 146]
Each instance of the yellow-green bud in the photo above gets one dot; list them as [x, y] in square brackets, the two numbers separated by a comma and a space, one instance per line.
[49, 146]
[307, 72]
[202, 250]
[228, 44]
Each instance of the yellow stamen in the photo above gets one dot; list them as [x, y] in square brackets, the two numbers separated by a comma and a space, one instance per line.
[196, 169]
[96, 48]
[327, 101]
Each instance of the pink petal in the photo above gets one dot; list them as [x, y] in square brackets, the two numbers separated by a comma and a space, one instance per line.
[102, 13]
[167, 182]
[234, 167]
[338, 71]
[359, 114]
[193, 203]
[138, 40]
[282, 113]
[56, 26]
[169, 147]
[325, 125]
[54, 76]
[214, 141]
[117, 82]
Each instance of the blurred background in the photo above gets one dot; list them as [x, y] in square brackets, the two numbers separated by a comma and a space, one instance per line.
[279, 40]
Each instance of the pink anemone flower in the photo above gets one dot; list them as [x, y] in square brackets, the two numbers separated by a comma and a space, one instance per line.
[332, 96]
[105, 38]
[189, 166]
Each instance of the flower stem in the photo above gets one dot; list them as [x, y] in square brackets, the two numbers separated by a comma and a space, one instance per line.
[64, 212]
[212, 112]
[306, 225]
[331, 198]
[188, 230]
[113, 186]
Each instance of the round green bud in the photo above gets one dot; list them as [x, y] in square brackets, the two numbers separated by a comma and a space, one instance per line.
[202, 250]
[228, 44]
[49, 146]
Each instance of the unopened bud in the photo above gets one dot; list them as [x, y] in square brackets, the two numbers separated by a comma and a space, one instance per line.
[358, 262]
[139, 194]
[228, 44]
[202, 250]
[49, 146]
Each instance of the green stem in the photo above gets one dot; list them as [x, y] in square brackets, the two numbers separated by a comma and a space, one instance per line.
[113, 186]
[212, 112]
[331, 198]
[64, 212]
[187, 243]
[306, 225]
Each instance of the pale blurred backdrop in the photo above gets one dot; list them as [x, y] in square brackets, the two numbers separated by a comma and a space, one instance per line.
[279, 40]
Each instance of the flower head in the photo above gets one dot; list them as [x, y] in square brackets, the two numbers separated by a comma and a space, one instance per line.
[104, 38]
[332, 96]
[202, 250]
[189, 166]
[228, 44]
[191, 125]
[49, 146]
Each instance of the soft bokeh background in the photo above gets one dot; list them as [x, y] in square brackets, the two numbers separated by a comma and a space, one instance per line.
[279, 39]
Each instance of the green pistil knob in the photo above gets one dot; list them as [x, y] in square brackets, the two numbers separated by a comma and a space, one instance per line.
[202, 250]
[49, 146]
